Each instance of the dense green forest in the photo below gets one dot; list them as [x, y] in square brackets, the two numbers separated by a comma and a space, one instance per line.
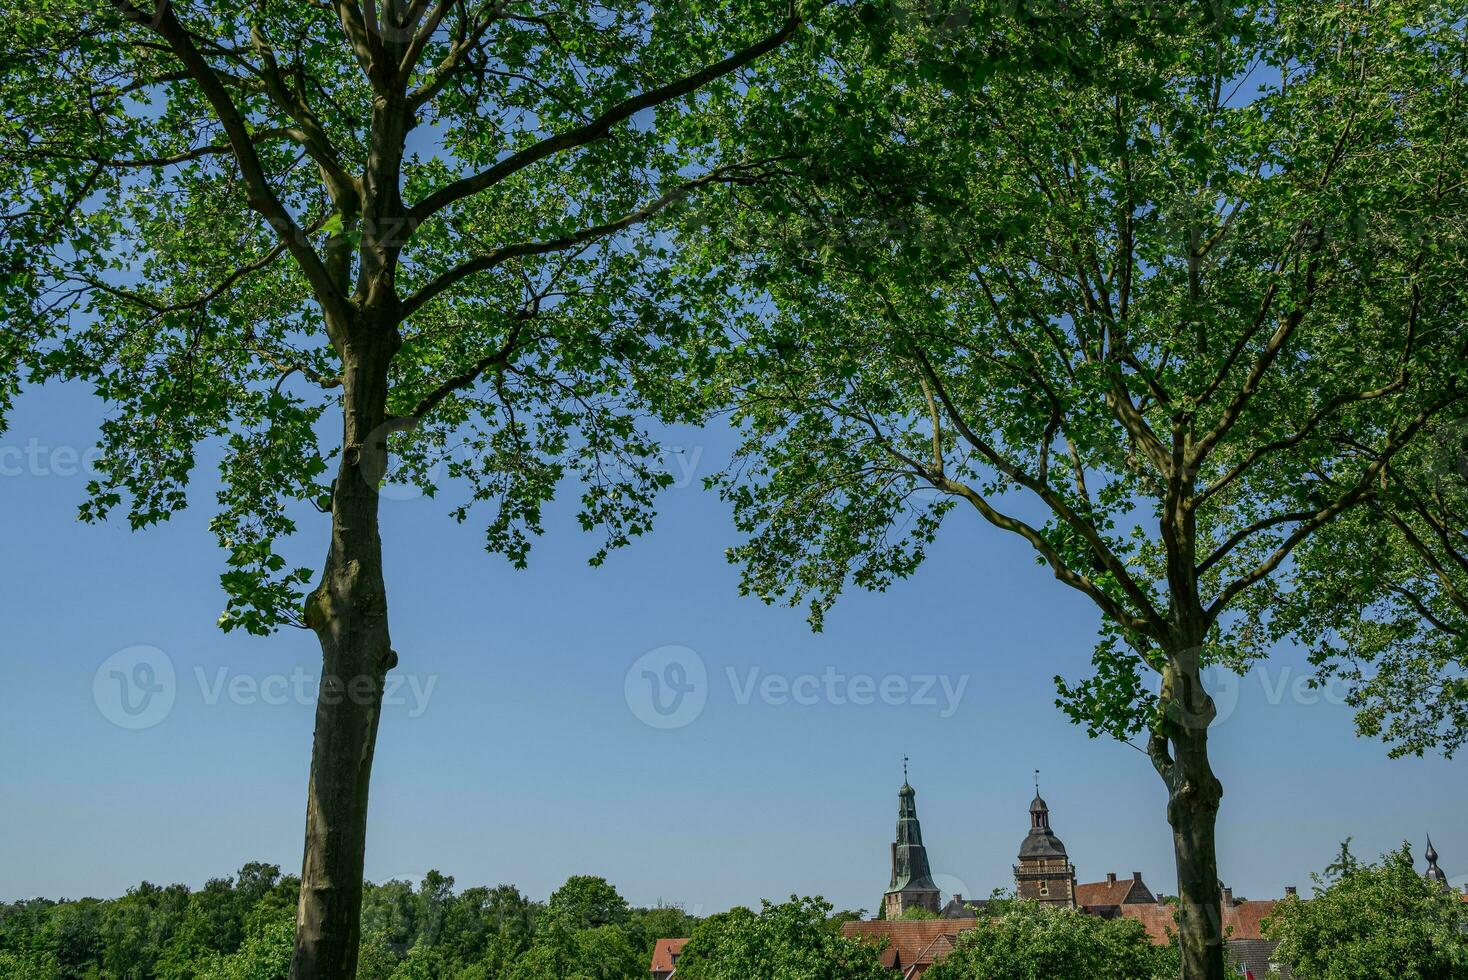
[241, 928]
[1365, 921]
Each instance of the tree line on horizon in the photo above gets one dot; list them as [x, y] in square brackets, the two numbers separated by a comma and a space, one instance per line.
[1364, 922]
[1174, 294]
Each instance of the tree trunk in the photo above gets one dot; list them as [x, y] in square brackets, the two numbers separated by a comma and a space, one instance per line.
[348, 612]
[1194, 795]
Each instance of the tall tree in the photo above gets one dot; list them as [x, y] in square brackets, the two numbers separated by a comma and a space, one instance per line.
[1161, 294]
[424, 217]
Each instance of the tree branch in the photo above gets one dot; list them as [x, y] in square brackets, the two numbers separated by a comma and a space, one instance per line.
[599, 127]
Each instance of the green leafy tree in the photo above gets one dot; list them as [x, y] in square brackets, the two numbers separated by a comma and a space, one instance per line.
[1373, 920]
[297, 230]
[559, 951]
[1161, 297]
[646, 926]
[585, 902]
[135, 930]
[264, 955]
[377, 959]
[1030, 940]
[789, 941]
[213, 922]
[917, 914]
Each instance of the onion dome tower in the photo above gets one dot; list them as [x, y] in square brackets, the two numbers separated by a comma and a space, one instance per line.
[1434, 873]
[1044, 873]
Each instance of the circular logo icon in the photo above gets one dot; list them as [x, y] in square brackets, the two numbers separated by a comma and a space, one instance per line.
[667, 687]
[135, 688]
[952, 887]
[1222, 687]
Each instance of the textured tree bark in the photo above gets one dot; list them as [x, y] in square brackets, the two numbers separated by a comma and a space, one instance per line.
[1180, 754]
[1192, 811]
[348, 612]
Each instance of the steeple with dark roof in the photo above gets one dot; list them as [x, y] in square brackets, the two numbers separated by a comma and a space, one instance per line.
[1434, 873]
[1044, 872]
[912, 879]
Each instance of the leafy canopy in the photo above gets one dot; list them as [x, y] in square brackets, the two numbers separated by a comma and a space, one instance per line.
[212, 212]
[1030, 940]
[1373, 920]
[1161, 293]
[788, 941]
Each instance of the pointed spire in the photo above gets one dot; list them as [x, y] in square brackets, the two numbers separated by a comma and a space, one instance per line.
[1434, 873]
[910, 870]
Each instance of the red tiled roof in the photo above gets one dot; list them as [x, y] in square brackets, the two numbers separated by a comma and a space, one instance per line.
[1160, 920]
[1246, 919]
[1241, 920]
[910, 942]
[1109, 892]
[664, 953]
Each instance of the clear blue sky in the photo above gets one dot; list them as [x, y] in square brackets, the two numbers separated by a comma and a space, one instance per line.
[527, 764]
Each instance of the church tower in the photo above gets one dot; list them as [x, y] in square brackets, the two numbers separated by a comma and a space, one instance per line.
[1044, 873]
[912, 880]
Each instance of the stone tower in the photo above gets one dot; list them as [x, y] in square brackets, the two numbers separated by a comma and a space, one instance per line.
[1044, 873]
[912, 880]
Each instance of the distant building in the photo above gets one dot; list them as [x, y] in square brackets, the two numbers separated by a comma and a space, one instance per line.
[912, 880]
[1044, 873]
[912, 946]
[1113, 893]
[665, 958]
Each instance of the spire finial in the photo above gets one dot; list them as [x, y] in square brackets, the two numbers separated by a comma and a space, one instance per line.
[1434, 873]
[1037, 782]
[904, 769]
